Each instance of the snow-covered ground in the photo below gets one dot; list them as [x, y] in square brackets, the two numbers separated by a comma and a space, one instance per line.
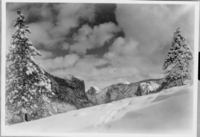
[169, 111]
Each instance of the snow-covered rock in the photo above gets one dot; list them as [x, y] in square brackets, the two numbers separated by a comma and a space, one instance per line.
[149, 87]
[126, 82]
[93, 90]
[97, 89]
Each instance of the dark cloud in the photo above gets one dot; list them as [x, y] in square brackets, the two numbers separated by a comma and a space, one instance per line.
[105, 13]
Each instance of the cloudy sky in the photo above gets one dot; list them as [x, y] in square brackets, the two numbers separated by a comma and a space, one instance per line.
[103, 44]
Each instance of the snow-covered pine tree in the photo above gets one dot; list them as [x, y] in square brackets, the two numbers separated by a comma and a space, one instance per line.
[27, 87]
[178, 59]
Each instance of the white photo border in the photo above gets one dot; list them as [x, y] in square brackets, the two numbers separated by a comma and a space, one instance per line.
[195, 67]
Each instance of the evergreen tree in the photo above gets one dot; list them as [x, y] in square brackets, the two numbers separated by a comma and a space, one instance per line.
[27, 87]
[178, 59]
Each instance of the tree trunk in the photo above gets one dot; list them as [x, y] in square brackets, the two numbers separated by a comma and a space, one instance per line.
[26, 117]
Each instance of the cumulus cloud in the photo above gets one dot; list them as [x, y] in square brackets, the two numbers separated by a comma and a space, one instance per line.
[39, 35]
[153, 25]
[89, 38]
[122, 47]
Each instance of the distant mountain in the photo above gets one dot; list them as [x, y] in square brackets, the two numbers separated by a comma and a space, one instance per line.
[92, 92]
[126, 90]
[114, 92]
[97, 89]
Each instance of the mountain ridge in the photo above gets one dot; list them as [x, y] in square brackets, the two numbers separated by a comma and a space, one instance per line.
[120, 91]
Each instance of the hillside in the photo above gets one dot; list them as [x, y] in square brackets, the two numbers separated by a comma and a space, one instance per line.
[167, 112]
[69, 95]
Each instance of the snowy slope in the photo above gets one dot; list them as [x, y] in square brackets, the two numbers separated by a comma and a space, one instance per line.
[169, 111]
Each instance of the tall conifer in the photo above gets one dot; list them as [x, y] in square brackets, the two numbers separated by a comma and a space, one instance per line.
[27, 87]
[178, 59]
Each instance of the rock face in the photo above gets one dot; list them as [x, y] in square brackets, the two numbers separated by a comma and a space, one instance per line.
[70, 95]
[92, 92]
[71, 90]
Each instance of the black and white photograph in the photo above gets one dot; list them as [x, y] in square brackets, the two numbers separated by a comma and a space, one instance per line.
[86, 68]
